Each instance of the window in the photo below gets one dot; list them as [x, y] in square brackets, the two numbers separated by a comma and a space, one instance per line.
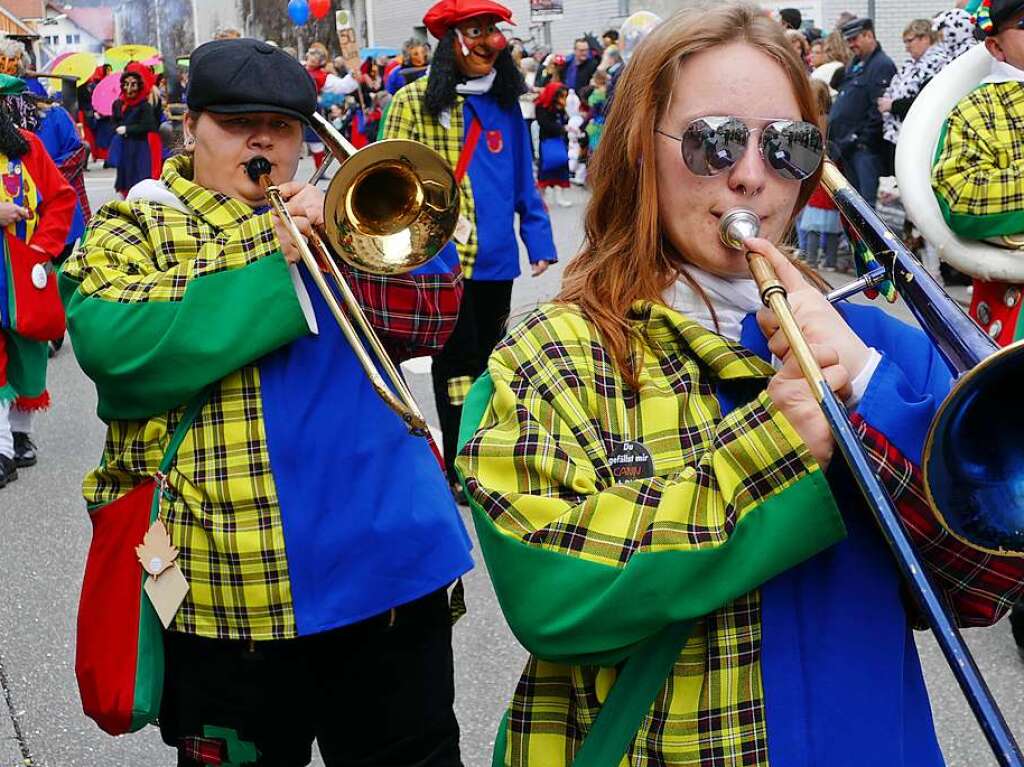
[71, 39]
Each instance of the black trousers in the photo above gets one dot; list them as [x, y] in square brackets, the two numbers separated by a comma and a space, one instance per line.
[1017, 622]
[481, 324]
[378, 693]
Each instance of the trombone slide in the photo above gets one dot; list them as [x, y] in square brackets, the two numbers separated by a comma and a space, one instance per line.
[403, 403]
[738, 224]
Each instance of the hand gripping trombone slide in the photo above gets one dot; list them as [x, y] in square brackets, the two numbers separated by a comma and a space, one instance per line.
[736, 226]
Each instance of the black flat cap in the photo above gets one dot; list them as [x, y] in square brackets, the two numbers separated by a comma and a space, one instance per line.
[854, 27]
[245, 75]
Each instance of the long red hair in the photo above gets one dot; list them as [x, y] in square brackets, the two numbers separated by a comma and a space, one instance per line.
[624, 256]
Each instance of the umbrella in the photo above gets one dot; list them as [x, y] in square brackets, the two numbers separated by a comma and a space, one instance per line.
[365, 53]
[156, 64]
[106, 93]
[57, 59]
[80, 65]
[119, 56]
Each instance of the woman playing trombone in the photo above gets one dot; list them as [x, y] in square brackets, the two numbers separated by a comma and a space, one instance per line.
[316, 536]
[651, 493]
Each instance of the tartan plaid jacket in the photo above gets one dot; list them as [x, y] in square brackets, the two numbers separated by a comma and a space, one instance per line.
[587, 566]
[978, 173]
[163, 302]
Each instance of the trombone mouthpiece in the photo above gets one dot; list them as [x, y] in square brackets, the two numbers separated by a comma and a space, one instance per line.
[258, 167]
[737, 225]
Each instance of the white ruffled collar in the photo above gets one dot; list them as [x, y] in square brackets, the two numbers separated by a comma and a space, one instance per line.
[732, 299]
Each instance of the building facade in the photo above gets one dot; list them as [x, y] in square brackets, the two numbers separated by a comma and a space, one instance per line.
[390, 22]
[69, 30]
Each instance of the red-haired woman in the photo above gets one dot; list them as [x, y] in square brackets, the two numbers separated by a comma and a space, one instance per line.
[141, 153]
[693, 572]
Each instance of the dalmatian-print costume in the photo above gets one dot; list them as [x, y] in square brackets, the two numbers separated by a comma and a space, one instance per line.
[957, 30]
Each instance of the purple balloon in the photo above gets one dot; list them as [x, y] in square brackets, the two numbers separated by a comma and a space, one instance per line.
[298, 11]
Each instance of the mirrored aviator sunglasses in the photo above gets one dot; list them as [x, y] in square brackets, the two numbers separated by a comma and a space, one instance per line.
[711, 145]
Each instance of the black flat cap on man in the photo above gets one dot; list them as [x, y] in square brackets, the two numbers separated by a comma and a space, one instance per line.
[854, 27]
[245, 75]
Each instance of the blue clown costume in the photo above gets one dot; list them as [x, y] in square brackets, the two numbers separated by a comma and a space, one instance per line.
[483, 135]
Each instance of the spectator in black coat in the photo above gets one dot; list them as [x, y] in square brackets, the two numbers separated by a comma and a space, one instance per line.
[855, 124]
[581, 67]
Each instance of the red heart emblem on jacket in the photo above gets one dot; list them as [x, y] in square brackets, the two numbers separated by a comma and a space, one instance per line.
[12, 184]
[494, 141]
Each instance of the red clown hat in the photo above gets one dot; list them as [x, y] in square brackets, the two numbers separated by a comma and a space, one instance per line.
[445, 14]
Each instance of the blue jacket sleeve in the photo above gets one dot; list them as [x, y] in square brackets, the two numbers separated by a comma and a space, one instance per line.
[910, 383]
[59, 135]
[534, 224]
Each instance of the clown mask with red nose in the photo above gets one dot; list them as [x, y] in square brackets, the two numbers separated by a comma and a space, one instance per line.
[478, 41]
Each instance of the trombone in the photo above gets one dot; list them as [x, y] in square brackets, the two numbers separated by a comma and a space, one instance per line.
[977, 502]
[389, 209]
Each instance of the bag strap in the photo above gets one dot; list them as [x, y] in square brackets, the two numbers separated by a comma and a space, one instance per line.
[187, 419]
[631, 697]
[634, 692]
[468, 148]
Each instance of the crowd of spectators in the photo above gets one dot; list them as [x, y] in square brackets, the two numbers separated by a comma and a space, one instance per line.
[865, 97]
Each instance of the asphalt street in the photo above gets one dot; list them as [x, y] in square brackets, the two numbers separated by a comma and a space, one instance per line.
[44, 536]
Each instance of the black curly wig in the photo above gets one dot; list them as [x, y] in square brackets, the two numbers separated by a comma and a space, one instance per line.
[445, 75]
[12, 142]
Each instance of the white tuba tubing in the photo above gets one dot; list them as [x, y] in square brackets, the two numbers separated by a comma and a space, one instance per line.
[915, 152]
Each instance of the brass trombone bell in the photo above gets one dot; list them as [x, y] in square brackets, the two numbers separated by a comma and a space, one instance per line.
[391, 207]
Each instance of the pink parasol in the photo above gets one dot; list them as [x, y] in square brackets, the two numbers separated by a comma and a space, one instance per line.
[106, 93]
[156, 63]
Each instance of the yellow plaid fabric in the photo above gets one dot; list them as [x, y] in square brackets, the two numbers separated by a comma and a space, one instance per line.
[978, 173]
[406, 118]
[539, 467]
[223, 512]
[458, 388]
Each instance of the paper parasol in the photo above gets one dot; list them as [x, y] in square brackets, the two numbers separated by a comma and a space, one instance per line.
[119, 56]
[106, 93]
[57, 59]
[156, 64]
[81, 65]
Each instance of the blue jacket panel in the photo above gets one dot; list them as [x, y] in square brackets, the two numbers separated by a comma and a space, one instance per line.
[842, 680]
[501, 175]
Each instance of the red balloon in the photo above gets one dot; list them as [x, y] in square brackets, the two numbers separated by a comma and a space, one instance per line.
[319, 8]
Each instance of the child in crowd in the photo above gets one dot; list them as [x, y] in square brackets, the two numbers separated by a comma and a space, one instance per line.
[597, 101]
[819, 225]
[552, 119]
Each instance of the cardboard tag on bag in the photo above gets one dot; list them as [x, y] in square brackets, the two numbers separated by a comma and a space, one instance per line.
[167, 592]
[463, 230]
[165, 585]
